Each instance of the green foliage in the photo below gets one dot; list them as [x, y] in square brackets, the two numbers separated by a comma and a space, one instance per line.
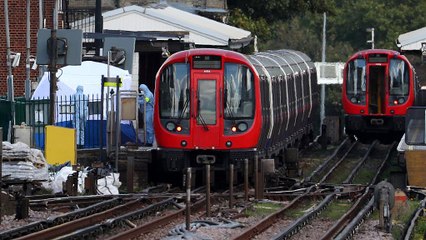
[258, 26]
[281, 10]
[297, 24]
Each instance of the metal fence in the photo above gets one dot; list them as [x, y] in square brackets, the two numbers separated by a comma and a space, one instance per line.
[82, 112]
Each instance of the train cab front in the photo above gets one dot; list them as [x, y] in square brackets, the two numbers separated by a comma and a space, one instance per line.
[376, 93]
[205, 106]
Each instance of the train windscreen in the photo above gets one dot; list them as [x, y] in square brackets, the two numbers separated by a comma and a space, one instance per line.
[174, 91]
[356, 81]
[399, 77]
[238, 91]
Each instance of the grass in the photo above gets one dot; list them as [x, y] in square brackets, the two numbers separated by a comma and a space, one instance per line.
[263, 208]
[336, 209]
[301, 209]
[401, 217]
[420, 228]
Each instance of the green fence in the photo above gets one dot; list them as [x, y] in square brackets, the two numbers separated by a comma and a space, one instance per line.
[82, 114]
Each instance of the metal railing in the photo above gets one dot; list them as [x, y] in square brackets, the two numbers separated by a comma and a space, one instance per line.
[82, 112]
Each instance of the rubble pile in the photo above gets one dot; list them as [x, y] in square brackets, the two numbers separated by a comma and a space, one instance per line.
[20, 162]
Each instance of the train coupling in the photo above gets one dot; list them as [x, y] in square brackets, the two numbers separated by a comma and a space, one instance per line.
[377, 121]
[206, 159]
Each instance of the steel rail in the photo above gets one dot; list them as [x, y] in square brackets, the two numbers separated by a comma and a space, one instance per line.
[408, 232]
[265, 223]
[351, 176]
[337, 164]
[347, 224]
[60, 230]
[152, 225]
[295, 226]
[53, 221]
[320, 168]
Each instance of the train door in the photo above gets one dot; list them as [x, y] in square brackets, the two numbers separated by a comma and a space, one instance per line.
[377, 90]
[206, 130]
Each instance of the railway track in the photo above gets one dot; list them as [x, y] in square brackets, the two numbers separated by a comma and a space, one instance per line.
[128, 216]
[334, 163]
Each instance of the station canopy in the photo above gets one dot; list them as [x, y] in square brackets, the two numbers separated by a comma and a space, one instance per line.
[200, 31]
[412, 41]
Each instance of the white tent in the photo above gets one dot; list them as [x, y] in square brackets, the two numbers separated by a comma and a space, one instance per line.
[88, 74]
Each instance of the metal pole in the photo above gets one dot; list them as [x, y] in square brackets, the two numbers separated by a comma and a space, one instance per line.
[52, 67]
[262, 179]
[117, 122]
[144, 121]
[208, 212]
[10, 87]
[188, 199]
[102, 120]
[322, 108]
[231, 185]
[98, 25]
[1, 170]
[109, 131]
[40, 14]
[27, 63]
[246, 179]
[256, 176]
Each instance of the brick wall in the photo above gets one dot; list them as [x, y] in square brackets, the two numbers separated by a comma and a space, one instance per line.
[91, 4]
[17, 30]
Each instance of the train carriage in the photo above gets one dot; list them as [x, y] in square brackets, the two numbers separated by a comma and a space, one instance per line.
[223, 106]
[378, 87]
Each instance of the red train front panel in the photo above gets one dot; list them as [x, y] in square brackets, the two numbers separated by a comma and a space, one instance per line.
[206, 104]
[378, 88]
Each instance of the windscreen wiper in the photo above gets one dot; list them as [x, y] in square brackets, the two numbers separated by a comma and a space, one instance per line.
[185, 106]
[199, 116]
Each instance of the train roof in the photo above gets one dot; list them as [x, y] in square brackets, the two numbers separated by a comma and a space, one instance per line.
[281, 62]
[375, 51]
[207, 51]
[277, 62]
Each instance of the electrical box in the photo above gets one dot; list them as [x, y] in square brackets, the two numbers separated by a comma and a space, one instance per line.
[69, 46]
[23, 133]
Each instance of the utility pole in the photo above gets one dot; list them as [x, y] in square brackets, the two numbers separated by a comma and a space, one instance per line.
[10, 87]
[322, 107]
[53, 53]
[28, 63]
[98, 26]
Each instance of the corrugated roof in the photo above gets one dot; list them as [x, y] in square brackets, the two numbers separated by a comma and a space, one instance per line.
[412, 41]
[161, 17]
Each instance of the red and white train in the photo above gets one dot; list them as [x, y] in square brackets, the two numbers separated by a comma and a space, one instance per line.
[378, 87]
[221, 106]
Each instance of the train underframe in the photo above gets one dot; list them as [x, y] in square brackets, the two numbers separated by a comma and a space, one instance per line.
[375, 127]
[170, 164]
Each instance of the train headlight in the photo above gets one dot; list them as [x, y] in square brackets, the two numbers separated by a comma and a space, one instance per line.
[183, 143]
[171, 126]
[178, 128]
[242, 126]
[401, 100]
[228, 144]
[233, 128]
[395, 102]
[354, 100]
